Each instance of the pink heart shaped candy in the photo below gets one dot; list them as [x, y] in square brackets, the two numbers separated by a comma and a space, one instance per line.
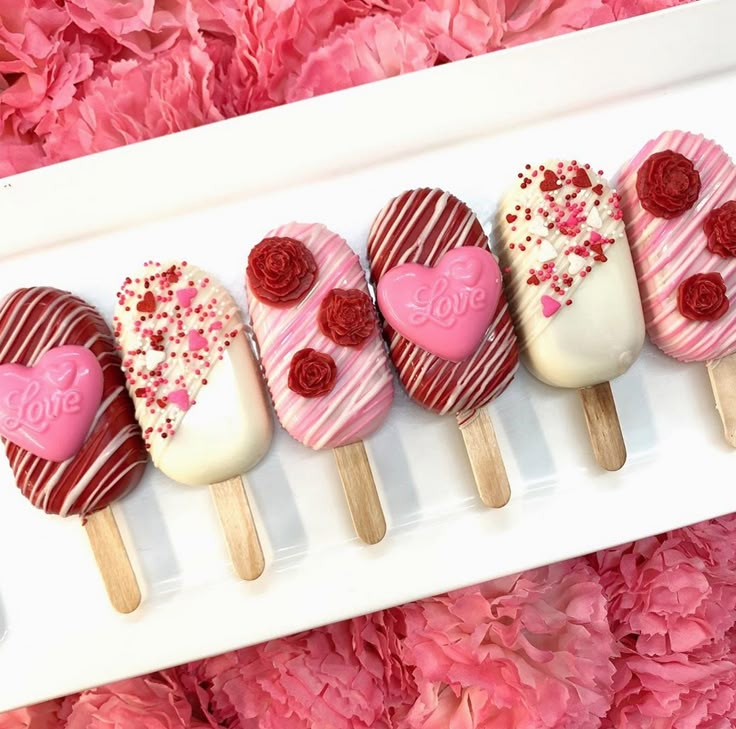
[48, 409]
[445, 309]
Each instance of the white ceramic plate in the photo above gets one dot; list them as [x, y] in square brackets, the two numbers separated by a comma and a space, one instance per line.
[210, 194]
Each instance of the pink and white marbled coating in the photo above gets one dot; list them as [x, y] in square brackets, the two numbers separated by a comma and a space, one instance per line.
[363, 392]
[666, 252]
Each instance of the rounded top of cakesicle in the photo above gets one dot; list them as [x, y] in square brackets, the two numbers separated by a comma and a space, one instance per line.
[196, 386]
[570, 280]
[679, 200]
[65, 418]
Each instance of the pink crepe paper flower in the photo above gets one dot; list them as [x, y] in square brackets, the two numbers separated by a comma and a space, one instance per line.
[151, 702]
[146, 27]
[528, 651]
[370, 49]
[19, 153]
[623, 9]
[42, 62]
[40, 716]
[676, 691]
[345, 676]
[130, 101]
[675, 592]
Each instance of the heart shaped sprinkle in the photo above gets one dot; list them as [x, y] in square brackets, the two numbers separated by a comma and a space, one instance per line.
[581, 179]
[550, 183]
[147, 305]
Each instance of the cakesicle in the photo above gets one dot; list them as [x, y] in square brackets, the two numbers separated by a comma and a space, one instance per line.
[197, 390]
[679, 200]
[446, 320]
[326, 367]
[67, 423]
[572, 288]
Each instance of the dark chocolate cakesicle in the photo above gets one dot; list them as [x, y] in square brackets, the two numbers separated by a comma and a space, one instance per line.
[67, 423]
[446, 320]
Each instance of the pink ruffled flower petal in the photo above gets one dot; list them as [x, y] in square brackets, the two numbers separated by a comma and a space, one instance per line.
[146, 27]
[130, 101]
[40, 716]
[623, 9]
[675, 592]
[527, 651]
[19, 154]
[368, 50]
[151, 702]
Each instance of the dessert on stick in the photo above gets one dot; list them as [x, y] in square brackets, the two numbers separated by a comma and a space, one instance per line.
[445, 319]
[67, 423]
[679, 200]
[572, 289]
[197, 391]
[326, 367]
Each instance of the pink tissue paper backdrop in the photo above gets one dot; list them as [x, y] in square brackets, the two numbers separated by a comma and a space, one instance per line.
[642, 635]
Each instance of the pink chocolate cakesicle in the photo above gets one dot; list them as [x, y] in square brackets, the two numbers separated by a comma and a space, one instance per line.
[446, 320]
[197, 391]
[679, 200]
[67, 423]
[572, 288]
[325, 364]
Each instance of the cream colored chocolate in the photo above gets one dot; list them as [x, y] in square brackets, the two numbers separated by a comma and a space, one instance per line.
[192, 375]
[570, 279]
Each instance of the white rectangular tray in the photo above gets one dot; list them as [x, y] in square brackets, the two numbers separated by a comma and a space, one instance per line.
[207, 196]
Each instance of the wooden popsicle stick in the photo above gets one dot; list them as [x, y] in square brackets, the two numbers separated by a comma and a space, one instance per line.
[722, 373]
[113, 561]
[360, 491]
[239, 528]
[486, 460]
[604, 428]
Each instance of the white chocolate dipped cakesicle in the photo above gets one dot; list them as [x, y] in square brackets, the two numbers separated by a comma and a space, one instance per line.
[571, 286]
[326, 366]
[679, 200]
[197, 390]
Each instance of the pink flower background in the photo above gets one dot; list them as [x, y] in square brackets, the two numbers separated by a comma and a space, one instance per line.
[641, 636]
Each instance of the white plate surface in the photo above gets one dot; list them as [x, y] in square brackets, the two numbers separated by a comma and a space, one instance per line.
[208, 196]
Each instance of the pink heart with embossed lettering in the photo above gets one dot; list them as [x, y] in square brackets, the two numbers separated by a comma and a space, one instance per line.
[446, 309]
[48, 409]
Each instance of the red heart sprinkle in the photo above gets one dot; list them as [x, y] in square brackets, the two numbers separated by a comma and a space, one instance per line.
[597, 248]
[147, 304]
[533, 280]
[598, 189]
[140, 392]
[581, 179]
[161, 402]
[510, 218]
[550, 183]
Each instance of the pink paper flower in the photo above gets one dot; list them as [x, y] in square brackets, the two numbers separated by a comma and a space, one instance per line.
[151, 702]
[146, 27]
[40, 716]
[370, 49]
[346, 676]
[677, 691]
[130, 101]
[528, 651]
[42, 62]
[19, 153]
[629, 8]
[675, 592]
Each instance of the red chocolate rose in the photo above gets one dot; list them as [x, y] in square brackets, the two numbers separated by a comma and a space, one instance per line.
[667, 184]
[281, 271]
[346, 317]
[311, 373]
[720, 227]
[702, 297]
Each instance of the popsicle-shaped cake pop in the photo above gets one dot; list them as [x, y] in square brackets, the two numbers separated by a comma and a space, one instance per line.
[446, 319]
[322, 354]
[197, 391]
[679, 199]
[67, 423]
[572, 288]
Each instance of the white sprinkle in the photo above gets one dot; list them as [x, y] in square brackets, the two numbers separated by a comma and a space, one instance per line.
[546, 252]
[538, 228]
[154, 358]
[577, 264]
[594, 219]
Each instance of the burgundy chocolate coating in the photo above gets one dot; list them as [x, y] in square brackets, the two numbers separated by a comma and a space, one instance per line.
[420, 226]
[112, 459]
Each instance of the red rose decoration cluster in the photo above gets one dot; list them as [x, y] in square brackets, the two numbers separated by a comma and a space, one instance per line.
[702, 297]
[281, 271]
[312, 373]
[346, 317]
[720, 230]
[668, 184]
